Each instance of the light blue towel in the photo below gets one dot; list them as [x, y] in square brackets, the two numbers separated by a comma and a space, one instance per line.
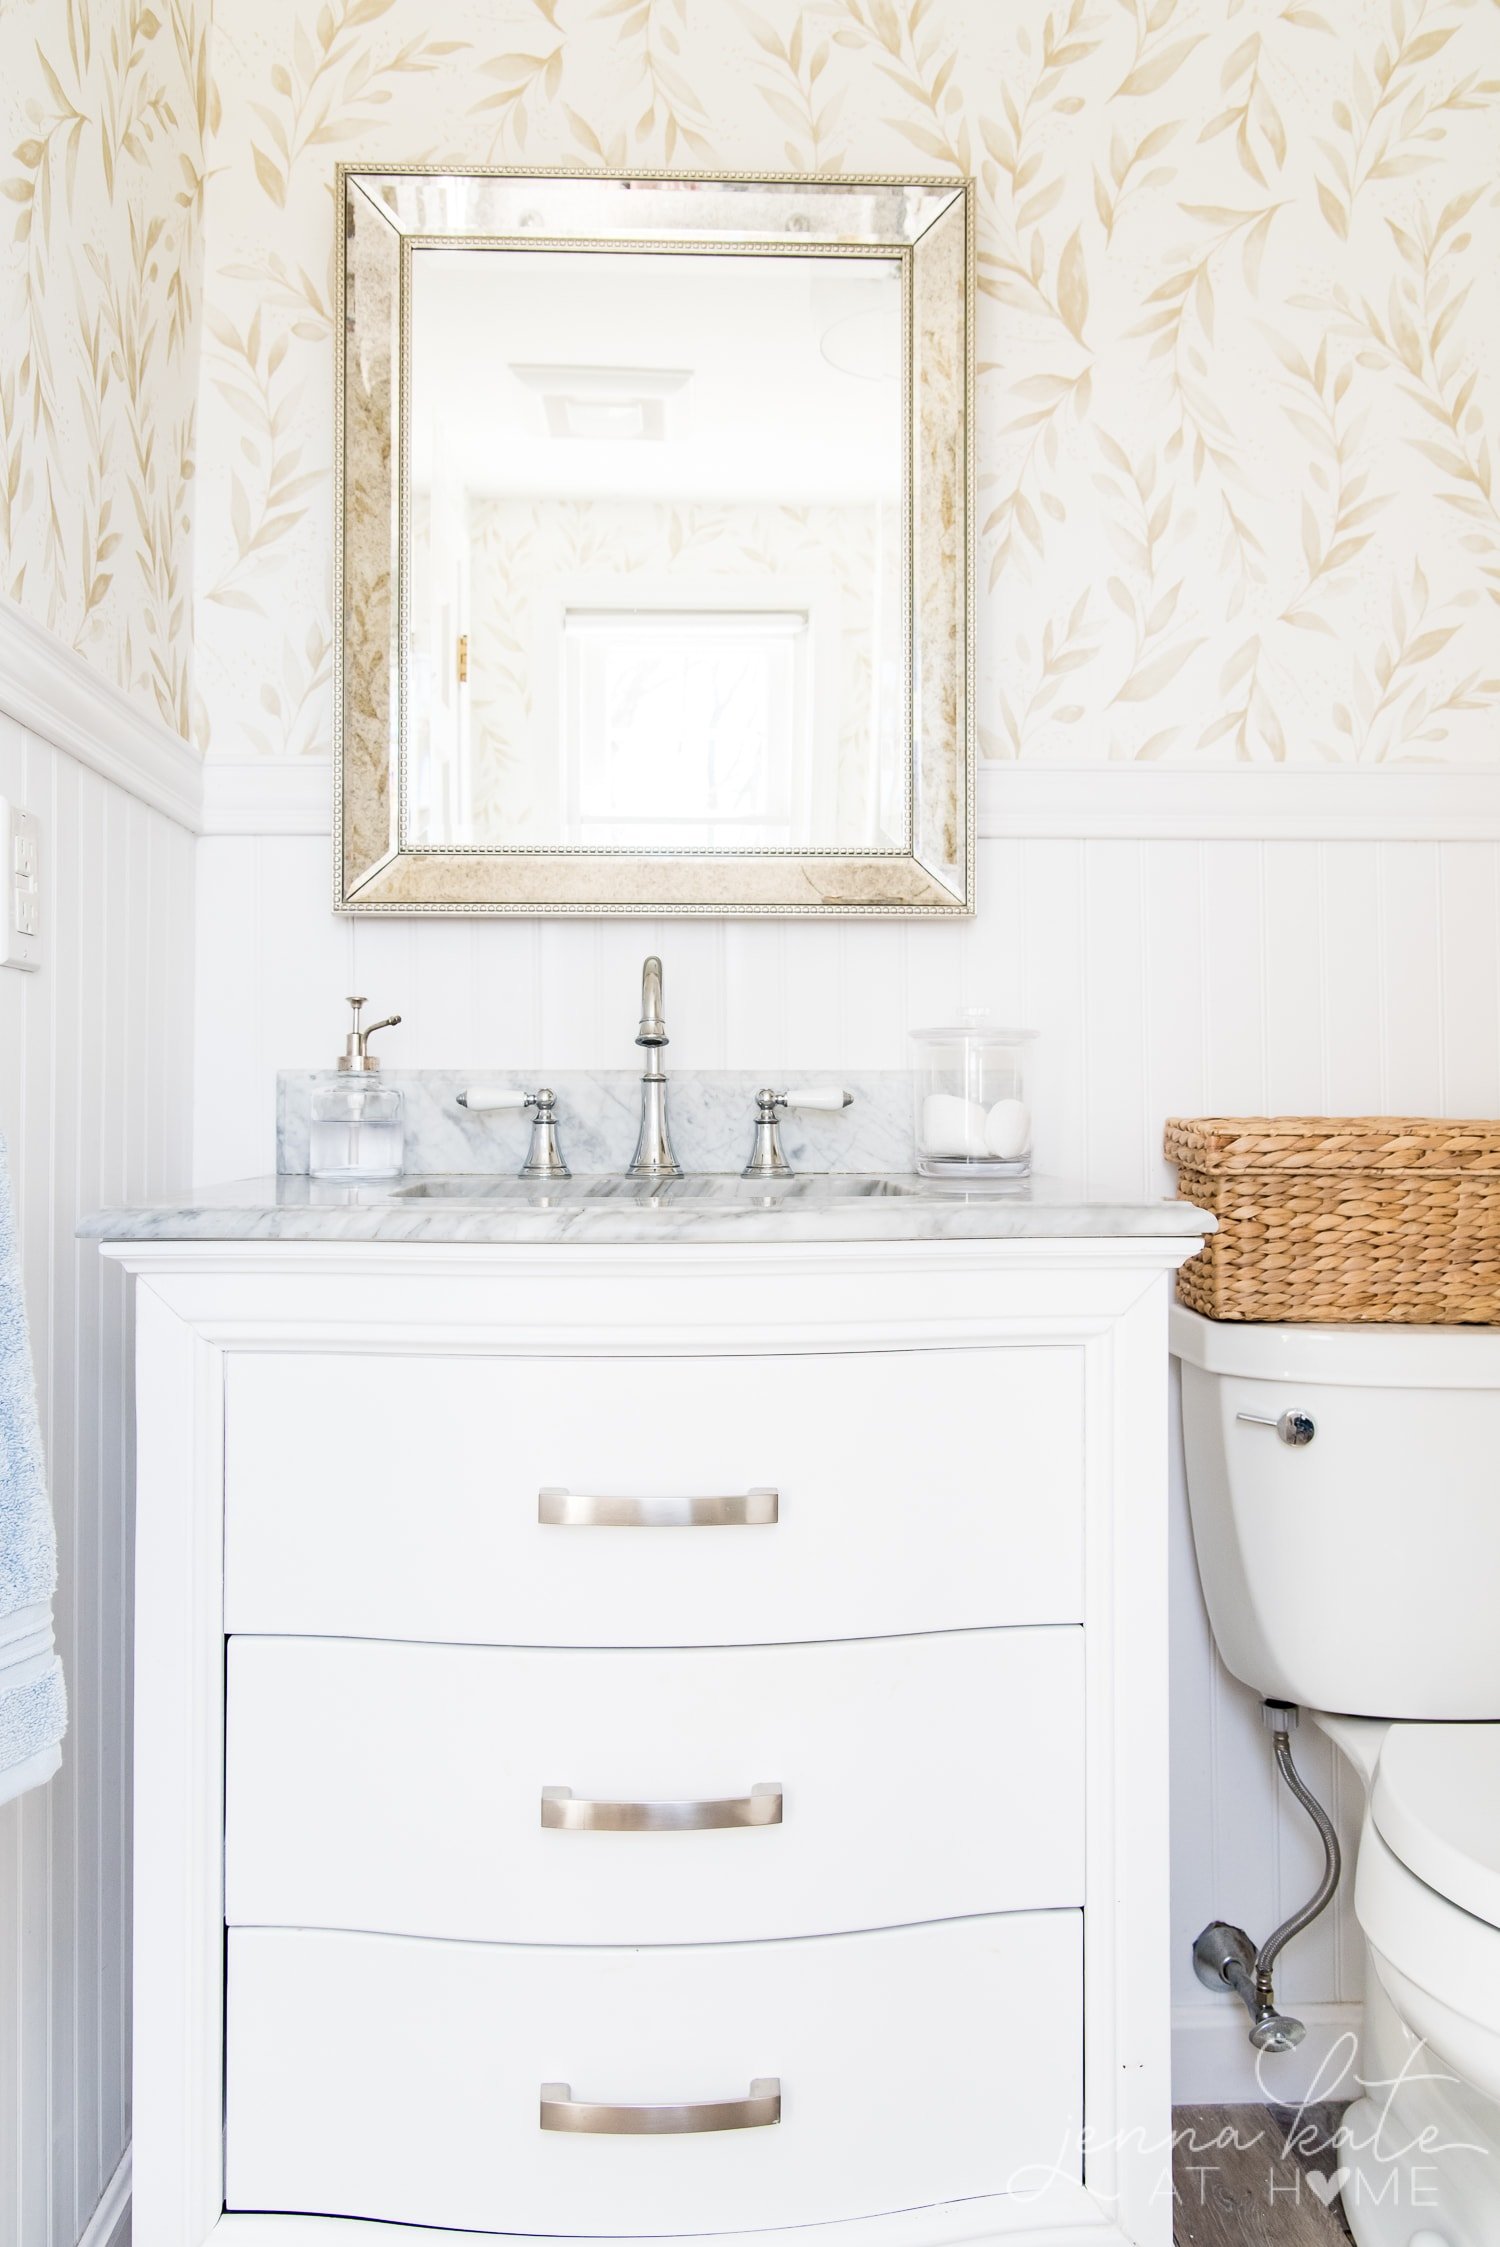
[33, 1706]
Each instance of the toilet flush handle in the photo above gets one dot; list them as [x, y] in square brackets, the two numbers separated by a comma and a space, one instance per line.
[1292, 1427]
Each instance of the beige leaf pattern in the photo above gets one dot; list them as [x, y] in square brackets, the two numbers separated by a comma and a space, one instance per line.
[1237, 382]
[107, 111]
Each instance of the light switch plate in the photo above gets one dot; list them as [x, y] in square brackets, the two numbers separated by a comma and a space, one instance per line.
[21, 867]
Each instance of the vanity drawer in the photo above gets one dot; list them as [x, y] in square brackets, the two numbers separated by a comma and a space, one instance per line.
[399, 1788]
[915, 1490]
[375, 2076]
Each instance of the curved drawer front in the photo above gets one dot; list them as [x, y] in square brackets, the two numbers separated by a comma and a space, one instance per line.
[400, 1788]
[813, 1497]
[384, 2078]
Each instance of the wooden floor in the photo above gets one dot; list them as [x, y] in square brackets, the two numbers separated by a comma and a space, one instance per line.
[1239, 2183]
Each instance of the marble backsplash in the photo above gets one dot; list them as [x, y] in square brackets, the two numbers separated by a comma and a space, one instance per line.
[712, 1115]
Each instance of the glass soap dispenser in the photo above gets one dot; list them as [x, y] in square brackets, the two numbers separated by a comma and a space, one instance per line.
[357, 1136]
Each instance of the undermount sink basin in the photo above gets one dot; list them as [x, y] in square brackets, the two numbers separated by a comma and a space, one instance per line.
[715, 1192]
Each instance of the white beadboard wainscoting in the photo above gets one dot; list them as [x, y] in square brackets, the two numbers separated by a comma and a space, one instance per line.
[95, 1100]
[1178, 975]
[1165, 976]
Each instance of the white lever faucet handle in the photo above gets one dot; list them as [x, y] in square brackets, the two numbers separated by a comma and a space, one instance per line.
[831, 1097]
[480, 1097]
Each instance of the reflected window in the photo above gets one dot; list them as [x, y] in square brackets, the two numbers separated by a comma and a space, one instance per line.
[686, 729]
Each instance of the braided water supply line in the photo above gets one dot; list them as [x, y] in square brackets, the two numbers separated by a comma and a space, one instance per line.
[1224, 1957]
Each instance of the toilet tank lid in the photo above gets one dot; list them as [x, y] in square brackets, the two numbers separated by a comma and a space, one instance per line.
[1436, 1803]
[1349, 1357]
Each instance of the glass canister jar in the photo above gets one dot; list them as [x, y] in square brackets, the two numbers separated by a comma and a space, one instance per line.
[972, 1112]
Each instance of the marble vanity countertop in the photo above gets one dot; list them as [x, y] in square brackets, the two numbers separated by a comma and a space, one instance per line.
[708, 1209]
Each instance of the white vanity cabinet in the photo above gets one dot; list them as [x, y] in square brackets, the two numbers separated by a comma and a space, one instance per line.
[651, 1741]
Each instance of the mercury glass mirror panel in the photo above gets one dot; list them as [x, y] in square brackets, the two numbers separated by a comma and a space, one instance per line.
[654, 557]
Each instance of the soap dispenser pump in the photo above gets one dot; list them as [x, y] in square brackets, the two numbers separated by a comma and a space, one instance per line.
[356, 1135]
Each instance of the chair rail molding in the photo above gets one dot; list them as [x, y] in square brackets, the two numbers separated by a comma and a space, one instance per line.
[1240, 803]
[50, 689]
[1071, 803]
[268, 796]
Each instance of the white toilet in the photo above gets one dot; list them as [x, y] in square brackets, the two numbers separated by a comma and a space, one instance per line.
[1355, 1570]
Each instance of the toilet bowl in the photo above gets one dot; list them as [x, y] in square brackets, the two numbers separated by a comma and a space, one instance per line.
[1355, 1571]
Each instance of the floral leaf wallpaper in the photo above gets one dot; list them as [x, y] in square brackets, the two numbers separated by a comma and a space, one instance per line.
[1239, 327]
[106, 110]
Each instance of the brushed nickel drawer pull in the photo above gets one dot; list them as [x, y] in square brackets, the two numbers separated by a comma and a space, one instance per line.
[562, 1808]
[572, 1509]
[561, 2111]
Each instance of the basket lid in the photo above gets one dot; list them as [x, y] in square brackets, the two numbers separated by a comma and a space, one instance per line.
[1426, 1144]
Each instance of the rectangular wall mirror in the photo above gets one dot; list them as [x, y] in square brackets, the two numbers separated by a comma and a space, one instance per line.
[654, 556]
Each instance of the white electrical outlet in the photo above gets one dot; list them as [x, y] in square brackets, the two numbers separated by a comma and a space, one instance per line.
[21, 863]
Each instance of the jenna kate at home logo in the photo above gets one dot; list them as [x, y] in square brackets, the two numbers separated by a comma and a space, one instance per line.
[1345, 2140]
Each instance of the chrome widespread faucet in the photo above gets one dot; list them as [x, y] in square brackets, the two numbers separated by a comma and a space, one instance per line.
[653, 1149]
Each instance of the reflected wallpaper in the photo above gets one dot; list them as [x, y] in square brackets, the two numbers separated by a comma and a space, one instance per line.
[526, 553]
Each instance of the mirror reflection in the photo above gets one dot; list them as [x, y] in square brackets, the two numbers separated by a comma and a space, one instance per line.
[656, 524]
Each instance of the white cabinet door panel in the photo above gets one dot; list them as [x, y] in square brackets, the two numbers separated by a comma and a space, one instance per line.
[374, 2076]
[917, 1490]
[398, 1788]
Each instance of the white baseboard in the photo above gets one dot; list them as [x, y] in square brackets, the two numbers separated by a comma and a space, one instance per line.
[109, 2225]
[1214, 2063]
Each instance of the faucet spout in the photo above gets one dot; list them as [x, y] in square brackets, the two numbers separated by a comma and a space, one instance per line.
[653, 1148]
[653, 1029]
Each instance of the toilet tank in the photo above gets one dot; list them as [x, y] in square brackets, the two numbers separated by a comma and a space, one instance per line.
[1359, 1572]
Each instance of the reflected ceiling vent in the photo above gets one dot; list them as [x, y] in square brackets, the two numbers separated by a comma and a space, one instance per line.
[860, 316]
[619, 404]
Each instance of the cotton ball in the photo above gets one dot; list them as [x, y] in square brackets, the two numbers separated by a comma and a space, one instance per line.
[1007, 1130]
[952, 1125]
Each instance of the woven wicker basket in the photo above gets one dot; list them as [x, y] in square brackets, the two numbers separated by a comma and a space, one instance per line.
[1326, 1220]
